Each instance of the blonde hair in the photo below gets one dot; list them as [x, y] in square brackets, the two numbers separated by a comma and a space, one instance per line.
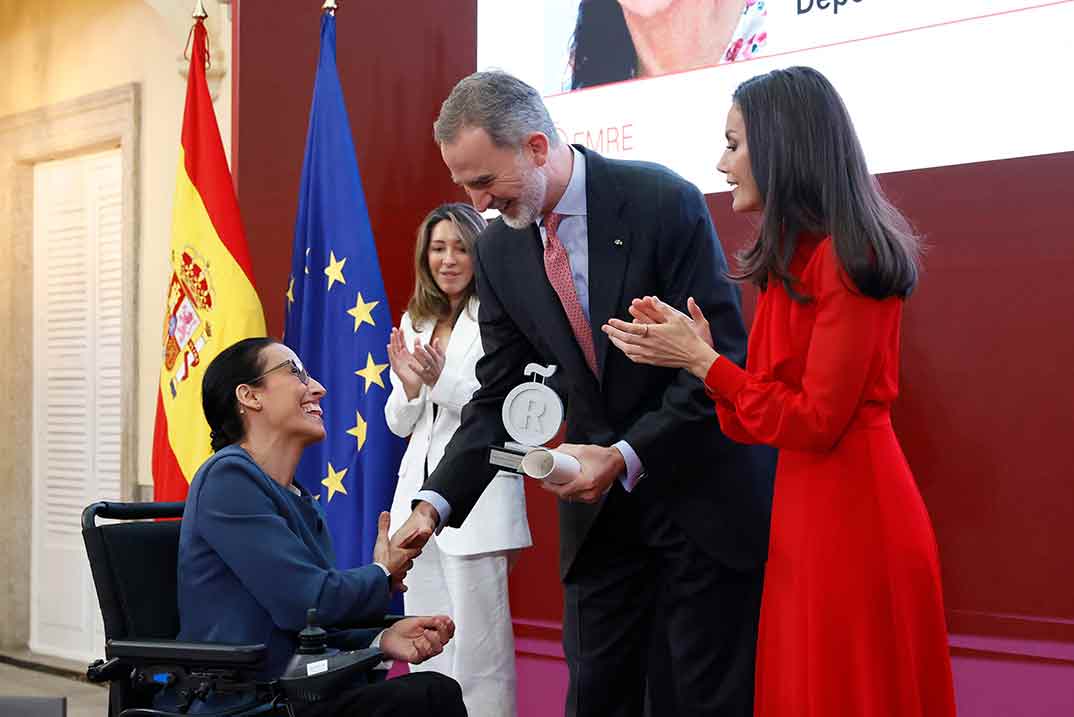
[429, 302]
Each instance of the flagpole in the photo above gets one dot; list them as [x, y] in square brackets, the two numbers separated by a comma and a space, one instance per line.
[329, 5]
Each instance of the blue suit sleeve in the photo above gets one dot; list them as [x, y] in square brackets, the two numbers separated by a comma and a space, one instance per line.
[240, 520]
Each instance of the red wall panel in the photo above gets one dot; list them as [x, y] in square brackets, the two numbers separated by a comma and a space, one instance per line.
[397, 61]
[987, 415]
[986, 412]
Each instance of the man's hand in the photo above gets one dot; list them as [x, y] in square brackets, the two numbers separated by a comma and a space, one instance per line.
[600, 467]
[396, 559]
[416, 639]
[418, 528]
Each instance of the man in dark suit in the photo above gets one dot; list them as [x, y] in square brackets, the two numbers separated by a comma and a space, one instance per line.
[668, 517]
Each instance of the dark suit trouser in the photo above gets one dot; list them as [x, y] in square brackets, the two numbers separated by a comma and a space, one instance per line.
[637, 579]
[420, 693]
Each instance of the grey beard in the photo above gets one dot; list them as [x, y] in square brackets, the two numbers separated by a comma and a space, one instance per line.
[523, 220]
[530, 200]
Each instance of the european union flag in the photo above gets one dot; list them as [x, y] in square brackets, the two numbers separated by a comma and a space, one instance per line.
[338, 322]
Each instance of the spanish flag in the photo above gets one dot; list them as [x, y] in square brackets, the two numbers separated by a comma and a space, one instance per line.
[211, 300]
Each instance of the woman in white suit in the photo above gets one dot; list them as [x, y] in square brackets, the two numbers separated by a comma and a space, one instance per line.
[461, 572]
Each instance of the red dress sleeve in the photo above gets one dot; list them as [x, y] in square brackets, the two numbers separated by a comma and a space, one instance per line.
[730, 426]
[844, 348]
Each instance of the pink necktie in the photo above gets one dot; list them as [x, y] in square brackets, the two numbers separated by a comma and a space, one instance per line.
[558, 267]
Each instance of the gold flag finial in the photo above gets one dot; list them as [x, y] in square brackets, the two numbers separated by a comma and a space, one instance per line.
[330, 6]
[199, 11]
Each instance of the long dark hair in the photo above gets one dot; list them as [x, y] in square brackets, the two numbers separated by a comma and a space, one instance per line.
[601, 48]
[812, 177]
[429, 302]
[235, 365]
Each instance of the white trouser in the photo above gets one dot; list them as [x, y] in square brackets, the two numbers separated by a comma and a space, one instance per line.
[472, 590]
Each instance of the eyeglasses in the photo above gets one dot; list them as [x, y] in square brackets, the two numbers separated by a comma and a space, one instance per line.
[297, 370]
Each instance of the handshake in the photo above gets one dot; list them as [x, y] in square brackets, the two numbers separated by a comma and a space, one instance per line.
[412, 639]
[397, 559]
[397, 553]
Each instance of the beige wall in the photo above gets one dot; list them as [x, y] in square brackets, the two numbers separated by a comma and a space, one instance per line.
[63, 49]
[81, 74]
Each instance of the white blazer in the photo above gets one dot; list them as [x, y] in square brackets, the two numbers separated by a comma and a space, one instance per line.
[498, 520]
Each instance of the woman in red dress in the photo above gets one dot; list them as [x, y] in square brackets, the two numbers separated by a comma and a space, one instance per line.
[852, 619]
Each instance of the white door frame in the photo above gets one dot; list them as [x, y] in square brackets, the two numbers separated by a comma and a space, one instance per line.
[110, 118]
[77, 299]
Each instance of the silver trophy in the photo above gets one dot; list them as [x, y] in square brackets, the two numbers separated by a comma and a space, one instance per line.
[532, 414]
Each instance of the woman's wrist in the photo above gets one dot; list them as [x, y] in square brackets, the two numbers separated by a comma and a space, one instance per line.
[702, 360]
[412, 390]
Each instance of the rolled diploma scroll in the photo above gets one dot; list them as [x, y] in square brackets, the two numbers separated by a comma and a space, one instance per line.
[551, 466]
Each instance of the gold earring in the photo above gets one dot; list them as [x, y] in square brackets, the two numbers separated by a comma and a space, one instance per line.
[242, 411]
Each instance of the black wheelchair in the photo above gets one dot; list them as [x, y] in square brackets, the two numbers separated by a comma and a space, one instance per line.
[134, 565]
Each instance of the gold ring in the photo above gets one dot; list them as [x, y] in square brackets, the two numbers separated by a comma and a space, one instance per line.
[644, 330]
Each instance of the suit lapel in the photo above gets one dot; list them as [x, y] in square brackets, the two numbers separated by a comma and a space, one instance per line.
[609, 246]
[463, 336]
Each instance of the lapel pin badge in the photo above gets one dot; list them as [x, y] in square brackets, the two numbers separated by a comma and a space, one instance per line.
[618, 242]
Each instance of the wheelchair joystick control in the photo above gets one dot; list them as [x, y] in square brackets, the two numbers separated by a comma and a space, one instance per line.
[312, 639]
[317, 672]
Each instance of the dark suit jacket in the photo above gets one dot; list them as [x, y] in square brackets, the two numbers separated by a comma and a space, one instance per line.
[650, 232]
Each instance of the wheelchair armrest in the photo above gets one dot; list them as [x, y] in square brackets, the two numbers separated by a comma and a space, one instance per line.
[314, 678]
[188, 654]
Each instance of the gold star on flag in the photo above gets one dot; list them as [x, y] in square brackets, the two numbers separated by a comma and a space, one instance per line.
[358, 430]
[362, 312]
[334, 482]
[372, 371]
[291, 292]
[334, 270]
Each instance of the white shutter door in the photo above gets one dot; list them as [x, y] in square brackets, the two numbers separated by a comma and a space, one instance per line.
[77, 318]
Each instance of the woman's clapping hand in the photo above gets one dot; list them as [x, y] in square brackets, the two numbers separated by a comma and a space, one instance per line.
[661, 335]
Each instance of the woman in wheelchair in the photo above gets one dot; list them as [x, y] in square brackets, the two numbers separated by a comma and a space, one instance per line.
[255, 553]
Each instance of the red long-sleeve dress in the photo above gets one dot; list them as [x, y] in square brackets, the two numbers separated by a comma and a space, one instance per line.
[852, 619]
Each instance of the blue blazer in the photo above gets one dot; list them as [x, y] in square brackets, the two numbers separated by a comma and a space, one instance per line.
[253, 557]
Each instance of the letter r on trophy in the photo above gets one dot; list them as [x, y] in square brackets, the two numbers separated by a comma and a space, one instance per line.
[532, 414]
